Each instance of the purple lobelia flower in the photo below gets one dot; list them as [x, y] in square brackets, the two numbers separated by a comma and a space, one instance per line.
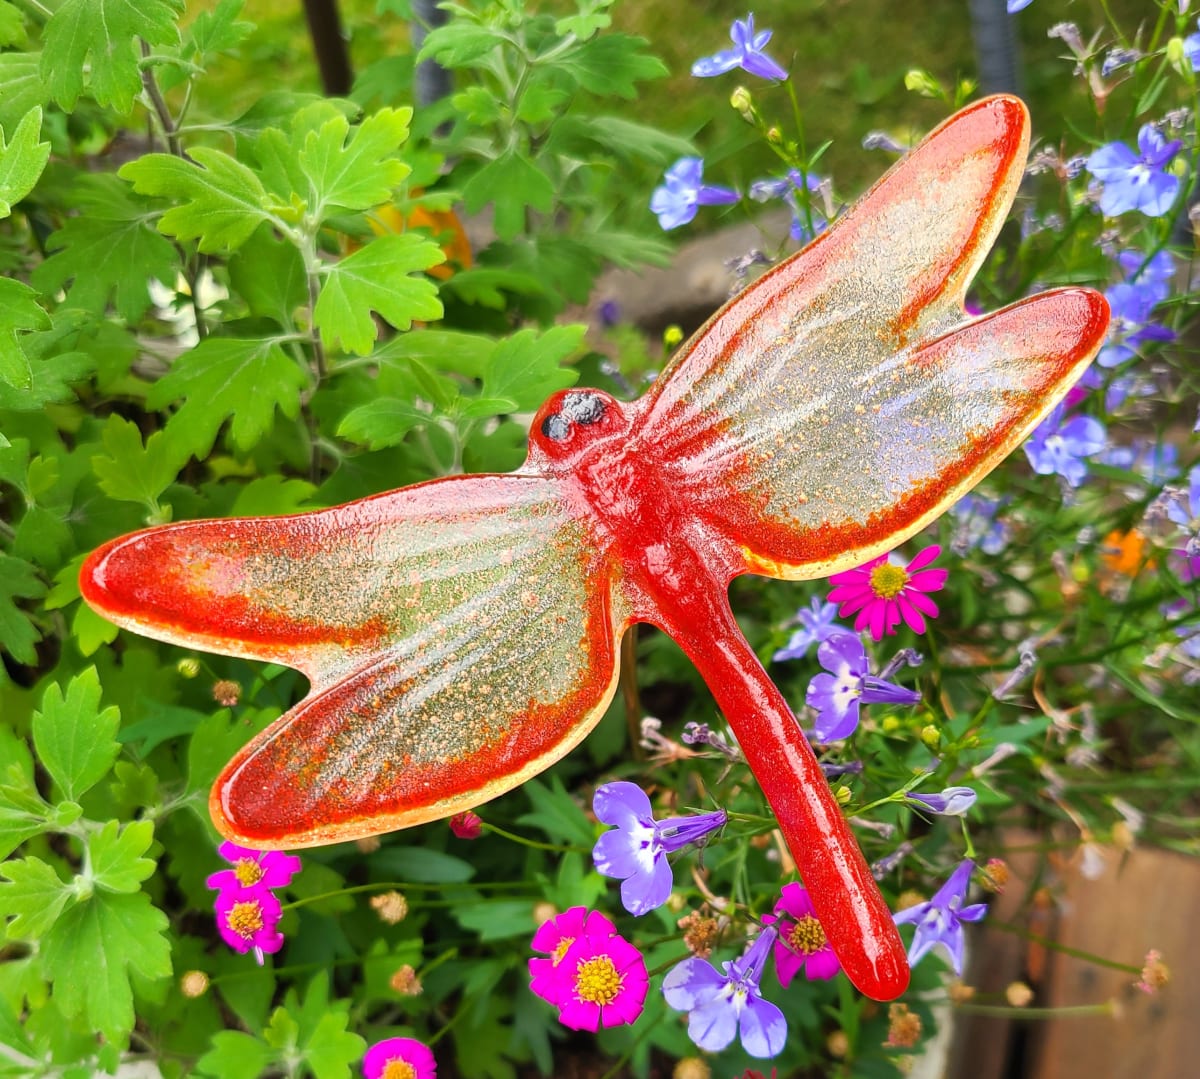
[785, 189]
[635, 852]
[977, 525]
[1132, 304]
[1156, 272]
[1136, 181]
[801, 944]
[1017, 5]
[1060, 448]
[952, 802]
[1191, 49]
[837, 695]
[817, 623]
[747, 53]
[683, 191]
[939, 920]
[724, 1006]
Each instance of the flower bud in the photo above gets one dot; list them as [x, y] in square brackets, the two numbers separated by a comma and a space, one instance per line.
[194, 984]
[921, 82]
[844, 795]
[692, 1068]
[226, 692]
[405, 982]
[743, 103]
[543, 912]
[774, 135]
[188, 668]
[391, 907]
[466, 825]
[1177, 57]
[931, 736]
[837, 1044]
[672, 336]
[1018, 994]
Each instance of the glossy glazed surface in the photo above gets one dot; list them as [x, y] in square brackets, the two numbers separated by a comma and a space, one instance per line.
[463, 634]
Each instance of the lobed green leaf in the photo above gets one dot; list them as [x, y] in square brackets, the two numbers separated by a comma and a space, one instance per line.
[525, 369]
[22, 160]
[115, 855]
[32, 897]
[513, 183]
[96, 39]
[19, 310]
[361, 173]
[75, 738]
[376, 278]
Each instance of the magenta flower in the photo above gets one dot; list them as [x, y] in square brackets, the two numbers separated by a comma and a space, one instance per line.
[635, 852]
[801, 943]
[725, 1006]
[554, 938]
[246, 920]
[399, 1058]
[939, 920]
[602, 982]
[254, 868]
[884, 593]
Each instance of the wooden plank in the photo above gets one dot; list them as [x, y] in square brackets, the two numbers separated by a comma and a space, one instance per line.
[1145, 900]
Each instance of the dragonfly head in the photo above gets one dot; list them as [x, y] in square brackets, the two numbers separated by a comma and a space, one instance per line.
[572, 420]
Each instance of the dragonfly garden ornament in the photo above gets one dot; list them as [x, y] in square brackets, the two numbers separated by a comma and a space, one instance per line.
[463, 634]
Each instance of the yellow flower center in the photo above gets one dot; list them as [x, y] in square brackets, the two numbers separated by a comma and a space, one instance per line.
[807, 936]
[561, 950]
[245, 919]
[888, 581]
[398, 1069]
[597, 980]
[247, 871]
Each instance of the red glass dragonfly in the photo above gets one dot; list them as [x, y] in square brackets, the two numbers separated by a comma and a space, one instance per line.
[461, 635]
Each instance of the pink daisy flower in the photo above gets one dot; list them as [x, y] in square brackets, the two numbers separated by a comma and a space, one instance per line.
[603, 982]
[801, 943]
[254, 868]
[884, 593]
[399, 1058]
[246, 920]
[553, 937]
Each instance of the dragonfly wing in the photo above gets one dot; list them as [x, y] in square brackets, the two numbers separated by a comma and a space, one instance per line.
[460, 636]
[844, 399]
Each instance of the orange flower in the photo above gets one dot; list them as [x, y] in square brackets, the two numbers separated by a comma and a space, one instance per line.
[1124, 552]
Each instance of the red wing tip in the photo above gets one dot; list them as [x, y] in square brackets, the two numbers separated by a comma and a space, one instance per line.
[882, 981]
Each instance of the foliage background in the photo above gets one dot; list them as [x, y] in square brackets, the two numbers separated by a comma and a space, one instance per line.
[301, 356]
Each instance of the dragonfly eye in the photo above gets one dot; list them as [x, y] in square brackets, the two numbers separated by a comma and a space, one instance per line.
[584, 408]
[556, 427]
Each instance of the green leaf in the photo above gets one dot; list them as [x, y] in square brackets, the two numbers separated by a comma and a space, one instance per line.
[383, 422]
[513, 183]
[270, 495]
[222, 377]
[23, 813]
[458, 43]
[612, 64]
[96, 37]
[376, 278]
[109, 251]
[12, 26]
[23, 86]
[235, 1055]
[18, 633]
[420, 865]
[131, 472]
[223, 202]
[116, 853]
[496, 919]
[22, 159]
[19, 310]
[359, 174]
[525, 367]
[74, 737]
[218, 30]
[331, 1050]
[33, 897]
[269, 275]
[557, 813]
[91, 951]
[627, 139]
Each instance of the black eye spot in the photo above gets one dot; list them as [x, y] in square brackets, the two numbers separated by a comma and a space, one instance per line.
[556, 427]
[584, 408]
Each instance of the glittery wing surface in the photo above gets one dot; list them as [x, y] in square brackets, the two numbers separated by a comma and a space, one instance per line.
[459, 636]
[845, 399]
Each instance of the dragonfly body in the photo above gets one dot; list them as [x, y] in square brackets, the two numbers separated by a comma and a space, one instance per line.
[461, 635]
